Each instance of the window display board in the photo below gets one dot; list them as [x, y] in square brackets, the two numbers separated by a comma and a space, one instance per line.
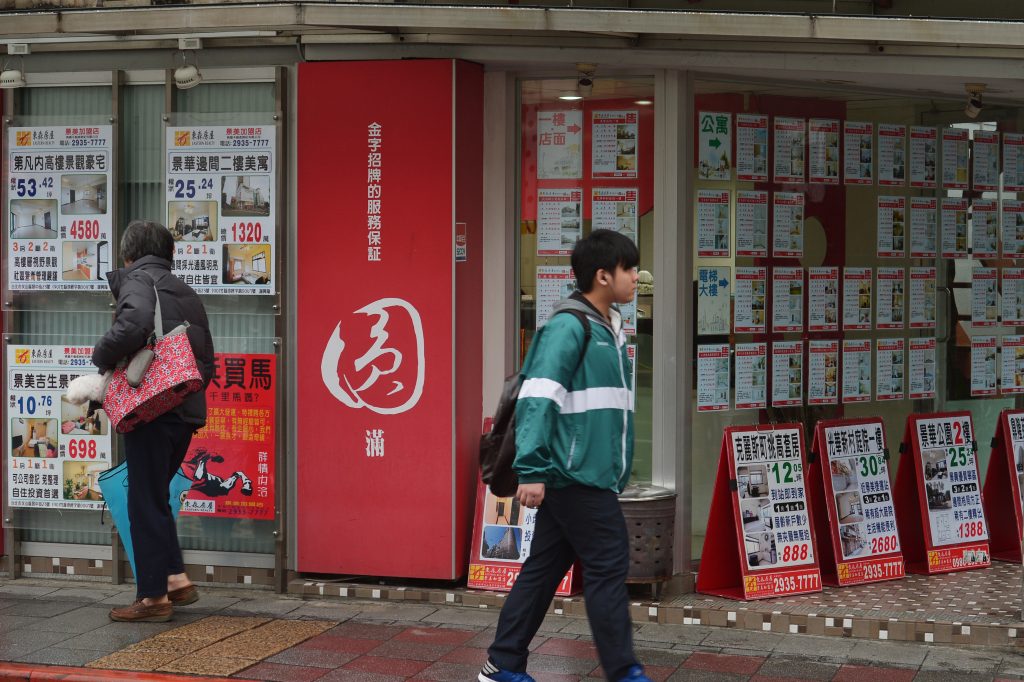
[788, 225]
[853, 504]
[923, 153]
[1013, 227]
[613, 143]
[938, 495]
[790, 141]
[822, 372]
[955, 157]
[954, 228]
[856, 298]
[713, 377]
[787, 373]
[890, 241]
[559, 221]
[1002, 490]
[922, 369]
[752, 147]
[751, 376]
[922, 227]
[986, 161]
[1012, 364]
[59, 208]
[984, 368]
[787, 299]
[760, 540]
[554, 282]
[823, 151]
[715, 135]
[713, 228]
[985, 228]
[892, 154]
[1013, 162]
[752, 223]
[749, 300]
[858, 153]
[560, 145]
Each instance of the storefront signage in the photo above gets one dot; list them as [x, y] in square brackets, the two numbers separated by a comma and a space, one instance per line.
[713, 297]
[856, 370]
[1013, 162]
[1012, 298]
[890, 359]
[923, 227]
[59, 207]
[1003, 487]
[984, 297]
[923, 156]
[922, 298]
[856, 298]
[554, 282]
[749, 300]
[560, 145]
[790, 143]
[788, 225]
[891, 298]
[715, 136]
[858, 153]
[954, 228]
[892, 155]
[823, 151]
[787, 373]
[614, 142]
[614, 208]
[752, 223]
[1013, 365]
[892, 227]
[986, 161]
[955, 156]
[752, 147]
[1013, 227]
[713, 226]
[822, 372]
[823, 299]
[787, 299]
[984, 369]
[751, 376]
[985, 228]
[713, 377]
[559, 221]
[922, 369]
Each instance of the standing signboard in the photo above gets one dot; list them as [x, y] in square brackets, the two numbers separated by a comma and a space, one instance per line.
[938, 495]
[1002, 490]
[760, 540]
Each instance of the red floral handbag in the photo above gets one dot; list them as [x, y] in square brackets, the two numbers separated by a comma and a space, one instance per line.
[171, 377]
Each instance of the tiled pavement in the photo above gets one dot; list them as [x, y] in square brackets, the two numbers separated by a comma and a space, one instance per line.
[258, 635]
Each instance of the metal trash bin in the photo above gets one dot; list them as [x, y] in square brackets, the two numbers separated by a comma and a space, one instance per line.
[650, 513]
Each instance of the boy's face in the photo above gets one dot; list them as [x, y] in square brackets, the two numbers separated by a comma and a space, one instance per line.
[621, 283]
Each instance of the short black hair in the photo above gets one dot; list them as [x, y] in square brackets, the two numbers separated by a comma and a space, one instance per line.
[146, 238]
[602, 250]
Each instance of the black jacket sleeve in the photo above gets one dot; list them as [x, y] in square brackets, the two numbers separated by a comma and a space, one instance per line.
[133, 323]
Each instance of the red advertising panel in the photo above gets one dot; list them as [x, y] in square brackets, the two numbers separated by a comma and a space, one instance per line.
[760, 539]
[1003, 486]
[938, 495]
[853, 504]
[389, 329]
[231, 460]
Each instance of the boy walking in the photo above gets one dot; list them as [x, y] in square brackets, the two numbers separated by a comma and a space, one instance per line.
[574, 453]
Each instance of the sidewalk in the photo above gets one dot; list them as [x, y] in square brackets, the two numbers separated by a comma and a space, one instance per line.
[258, 635]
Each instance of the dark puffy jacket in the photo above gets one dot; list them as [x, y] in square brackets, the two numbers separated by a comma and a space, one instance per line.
[133, 322]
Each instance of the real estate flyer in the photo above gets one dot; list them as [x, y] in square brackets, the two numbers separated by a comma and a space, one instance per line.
[1013, 297]
[1013, 228]
[1013, 162]
[614, 142]
[713, 377]
[892, 227]
[752, 223]
[822, 372]
[559, 221]
[787, 299]
[984, 297]
[954, 228]
[922, 298]
[823, 299]
[752, 147]
[985, 228]
[628, 313]
[889, 359]
[715, 139]
[856, 298]
[857, 371]
[56, 450]
[1013, 368]
[891, 298]
[986, 161]
[892, 155]
[955, 157]
[554, 282]
[713, 296]
[923, 153]
[790, 140]
[922, 369]
[560, 144]
[749, 300]
[751, 376]
[858, 152]
[787, 373]
[713, 227]
[823, 151]
[984, 369]
[788, 225]
[222, 206]
[922, 227]
[614, 208]
[59, 208]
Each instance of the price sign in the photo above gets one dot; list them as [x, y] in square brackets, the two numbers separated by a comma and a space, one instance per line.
[1003, 487]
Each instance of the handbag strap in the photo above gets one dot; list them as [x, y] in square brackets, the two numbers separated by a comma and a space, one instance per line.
[158, 318]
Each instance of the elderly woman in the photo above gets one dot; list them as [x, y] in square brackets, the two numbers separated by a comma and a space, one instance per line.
[156, 449]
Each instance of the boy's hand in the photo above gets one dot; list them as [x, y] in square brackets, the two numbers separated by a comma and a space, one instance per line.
[530, 495]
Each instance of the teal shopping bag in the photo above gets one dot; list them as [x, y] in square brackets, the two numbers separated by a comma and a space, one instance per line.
[114, 486]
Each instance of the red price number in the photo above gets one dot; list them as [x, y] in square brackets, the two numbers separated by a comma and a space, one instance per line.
[884, 545]
[82, 449]
[246, 232]
[795, 552]
[971, 529]
[85, 229]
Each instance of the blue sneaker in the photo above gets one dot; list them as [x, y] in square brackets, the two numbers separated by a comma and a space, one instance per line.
[492, 673]
[636, 674]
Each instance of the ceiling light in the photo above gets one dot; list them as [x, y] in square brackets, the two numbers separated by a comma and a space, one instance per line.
[570, 96]
[11, 79]
[187, 75]
[644, 102]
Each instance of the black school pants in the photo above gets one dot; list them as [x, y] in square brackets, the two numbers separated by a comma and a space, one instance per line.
[154, 452]
[573, 521]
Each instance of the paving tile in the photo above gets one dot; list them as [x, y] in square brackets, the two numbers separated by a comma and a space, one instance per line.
[690, 675]
[576, 648]
[8, 623]
[267, 639]
[411, 650]
[956, 659]
[77, 621]
[82, 594]
[745, 665]
[560, 664]
[209, 603]
[268, 607]
[742, 639]
[342, 675]
[800, 668]
[326, 611]
[114, 636]
[26, 591]
[386, 666]
[460, 615]
[831, 648]
[40, 608]
[865, 673]
[449, 672]
[901, 655]
[677, 634]
[56, 655]
[363, 630]
[662, 658]
[434, 636]
[283, 673]
[395, 612]
[950, 676]
[132, 660]
[467, 655]
[331, 642]
[168, 645]
[554, 677]
[33, 640]
[318, 658]
[214, 628]
[207, 665]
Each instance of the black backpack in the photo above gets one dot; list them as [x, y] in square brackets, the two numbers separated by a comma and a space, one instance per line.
[498, 447]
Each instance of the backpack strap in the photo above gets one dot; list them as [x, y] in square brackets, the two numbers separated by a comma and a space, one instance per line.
[582, 317]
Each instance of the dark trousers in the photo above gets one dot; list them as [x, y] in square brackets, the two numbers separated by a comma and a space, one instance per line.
[574, 521]
[154, 452]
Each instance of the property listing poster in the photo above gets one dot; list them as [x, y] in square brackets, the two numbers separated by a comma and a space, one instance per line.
[56, 450]
[790, 140]
[984, 369]
[922, 298]
[559, 221]
[823, 299]
[788, 225]
[857, 371]
[1016, 423]
[1013, 162]
[713, 297]
[892, 227]
[891, 298]
[221, 206]
[749, 300]
[713, 377]
[1012, 297]
[923, 154]
[985, 228]
[614, 208]
[715, 139]
[986, 160]
[955, 157]
[1013, 366]
[858, 152]
[984, 297]
[922, 227]
[713, 227]
[857, 298]
[1013, 228]
[560, 145]
[752, 223]
[59, 208]
[823, 151]
[772, 496]
[751, 376]
[954, 228]
[922, 369]
[554, 282]
[889, 360]
[752, 147]
[822, 372]
[892, 155]
[231, 460]
[787, 299]
[614, 138]
[787, 373]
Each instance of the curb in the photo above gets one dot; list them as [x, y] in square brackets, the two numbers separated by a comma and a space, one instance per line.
[19, 672]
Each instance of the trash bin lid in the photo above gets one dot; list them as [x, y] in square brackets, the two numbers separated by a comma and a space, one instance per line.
[645, 492]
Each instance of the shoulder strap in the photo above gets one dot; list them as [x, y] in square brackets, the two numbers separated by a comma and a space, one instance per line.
[158, 318]
[582, 317]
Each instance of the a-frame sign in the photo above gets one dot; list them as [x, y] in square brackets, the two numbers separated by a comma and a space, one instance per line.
[1002, 487]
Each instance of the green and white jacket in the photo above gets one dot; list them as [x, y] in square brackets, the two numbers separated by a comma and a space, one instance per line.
[576, 429]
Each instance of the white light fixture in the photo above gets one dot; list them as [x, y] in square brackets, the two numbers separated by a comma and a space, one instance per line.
[11, 78]
[974, 104]
[188, 75]
[570, 96]
[644, 102]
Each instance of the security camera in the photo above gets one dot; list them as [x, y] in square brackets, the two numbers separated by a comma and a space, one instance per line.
[974, 104]
[585, 85]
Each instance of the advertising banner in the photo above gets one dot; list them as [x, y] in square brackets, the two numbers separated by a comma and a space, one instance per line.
[613, 143]
[614, 208]
[1013, 365]
[984, 368]
[985, 228]
[954, 228]
[560, 145]
[554, 282]
[856, 370]
[752, 147]
[890, 359]
[984, 297]
[713, 298]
